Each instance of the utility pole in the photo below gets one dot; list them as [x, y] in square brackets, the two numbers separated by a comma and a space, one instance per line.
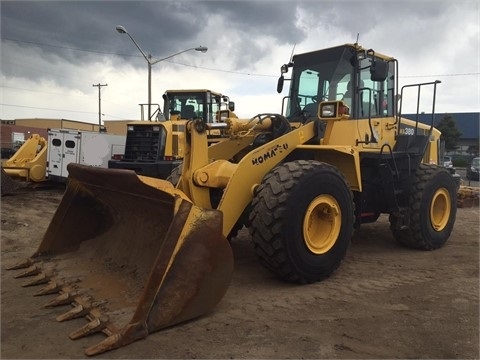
[99, 105]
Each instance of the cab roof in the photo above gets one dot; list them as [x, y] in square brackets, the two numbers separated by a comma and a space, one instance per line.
[355, 47]
[189, 91]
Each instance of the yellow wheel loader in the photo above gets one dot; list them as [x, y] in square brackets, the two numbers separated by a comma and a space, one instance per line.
[29, 162]
[153, 149]
[135, 254]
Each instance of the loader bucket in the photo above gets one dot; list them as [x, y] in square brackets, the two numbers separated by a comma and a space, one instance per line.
[130, 257]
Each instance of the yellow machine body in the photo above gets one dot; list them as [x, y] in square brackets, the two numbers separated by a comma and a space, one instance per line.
[155, 148]
[29, 162]
[136, 254]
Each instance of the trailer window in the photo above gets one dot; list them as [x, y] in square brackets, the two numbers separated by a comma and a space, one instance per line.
[70, 144]
[56, 142]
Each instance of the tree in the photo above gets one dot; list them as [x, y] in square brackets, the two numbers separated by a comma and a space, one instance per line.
[450, 133]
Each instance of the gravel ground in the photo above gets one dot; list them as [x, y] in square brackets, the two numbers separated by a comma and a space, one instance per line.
[385, 301]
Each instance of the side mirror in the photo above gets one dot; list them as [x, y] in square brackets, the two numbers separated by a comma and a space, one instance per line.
[379, 70]
[281, 80]
[231, 106]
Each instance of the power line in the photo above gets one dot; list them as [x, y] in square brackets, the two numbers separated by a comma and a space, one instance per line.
[64, 110]
[54, 93]
[223, 71]
[117, 54]
[39, 91]
[210, 69]
[41, 108]
[440, 75]
[66, 47]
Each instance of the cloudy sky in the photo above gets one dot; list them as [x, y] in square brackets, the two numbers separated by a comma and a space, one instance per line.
[53, 52]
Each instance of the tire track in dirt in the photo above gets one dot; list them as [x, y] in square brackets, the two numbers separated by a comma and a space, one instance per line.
[384, 301]
[374, 267]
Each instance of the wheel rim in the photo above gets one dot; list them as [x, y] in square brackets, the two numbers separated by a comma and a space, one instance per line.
[440, 209]
[321, 225]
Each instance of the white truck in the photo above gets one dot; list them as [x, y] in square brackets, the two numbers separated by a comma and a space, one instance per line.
[81, 147]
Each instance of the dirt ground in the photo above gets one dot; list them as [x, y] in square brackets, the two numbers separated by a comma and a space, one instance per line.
[384, 301]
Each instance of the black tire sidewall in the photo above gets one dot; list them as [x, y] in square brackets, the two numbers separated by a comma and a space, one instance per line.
[437, 238]
[322, 179]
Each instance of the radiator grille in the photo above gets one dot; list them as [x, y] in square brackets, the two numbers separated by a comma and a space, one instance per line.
[145, 144]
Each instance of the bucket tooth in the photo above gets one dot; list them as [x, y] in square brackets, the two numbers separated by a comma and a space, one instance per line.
[30, 271]
[111, 342]
[62, 299]
[21, 264]
[82, 306]
[96, 325]
[56, 286]
[41, 278]
[51, 288]
[76, 312]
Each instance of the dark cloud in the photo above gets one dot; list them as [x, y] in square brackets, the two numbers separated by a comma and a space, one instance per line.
[91, 25]
[271, 18]
[160, 27]
[247, 31]
[63, 47]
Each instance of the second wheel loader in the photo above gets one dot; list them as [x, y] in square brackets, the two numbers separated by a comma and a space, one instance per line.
[153, 149]
[155, 254]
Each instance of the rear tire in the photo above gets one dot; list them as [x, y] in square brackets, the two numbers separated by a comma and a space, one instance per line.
[302, 220]
[432, 208]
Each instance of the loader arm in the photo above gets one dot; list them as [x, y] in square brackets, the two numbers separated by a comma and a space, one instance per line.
[253, 167]
[29, 162]
[200, 173]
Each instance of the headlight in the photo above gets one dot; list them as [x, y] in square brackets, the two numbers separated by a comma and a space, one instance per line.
[130, 128]
[328, 110]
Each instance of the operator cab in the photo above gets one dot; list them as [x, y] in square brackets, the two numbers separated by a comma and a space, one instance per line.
[196, 104]
[362, 79]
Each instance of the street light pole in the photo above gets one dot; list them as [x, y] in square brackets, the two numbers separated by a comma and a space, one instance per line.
[152, 62]
[149, 87]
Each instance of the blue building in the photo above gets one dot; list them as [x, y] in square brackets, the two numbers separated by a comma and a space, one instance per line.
[467, 123]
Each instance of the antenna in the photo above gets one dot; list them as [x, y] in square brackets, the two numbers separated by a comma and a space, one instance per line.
[358, 36]
[291, 56]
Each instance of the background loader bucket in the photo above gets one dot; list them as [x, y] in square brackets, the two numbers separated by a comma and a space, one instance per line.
[129, 257]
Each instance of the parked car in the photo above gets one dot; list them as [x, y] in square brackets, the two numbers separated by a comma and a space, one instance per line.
[473, 169]
[447, 162]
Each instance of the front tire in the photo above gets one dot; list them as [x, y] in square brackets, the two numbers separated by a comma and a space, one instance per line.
[302, 220]
[432, 208]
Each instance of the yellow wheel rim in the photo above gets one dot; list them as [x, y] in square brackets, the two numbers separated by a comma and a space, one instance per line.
[440, 209]
[321, 225]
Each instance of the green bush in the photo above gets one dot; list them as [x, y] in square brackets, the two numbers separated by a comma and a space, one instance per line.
[461, 161]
